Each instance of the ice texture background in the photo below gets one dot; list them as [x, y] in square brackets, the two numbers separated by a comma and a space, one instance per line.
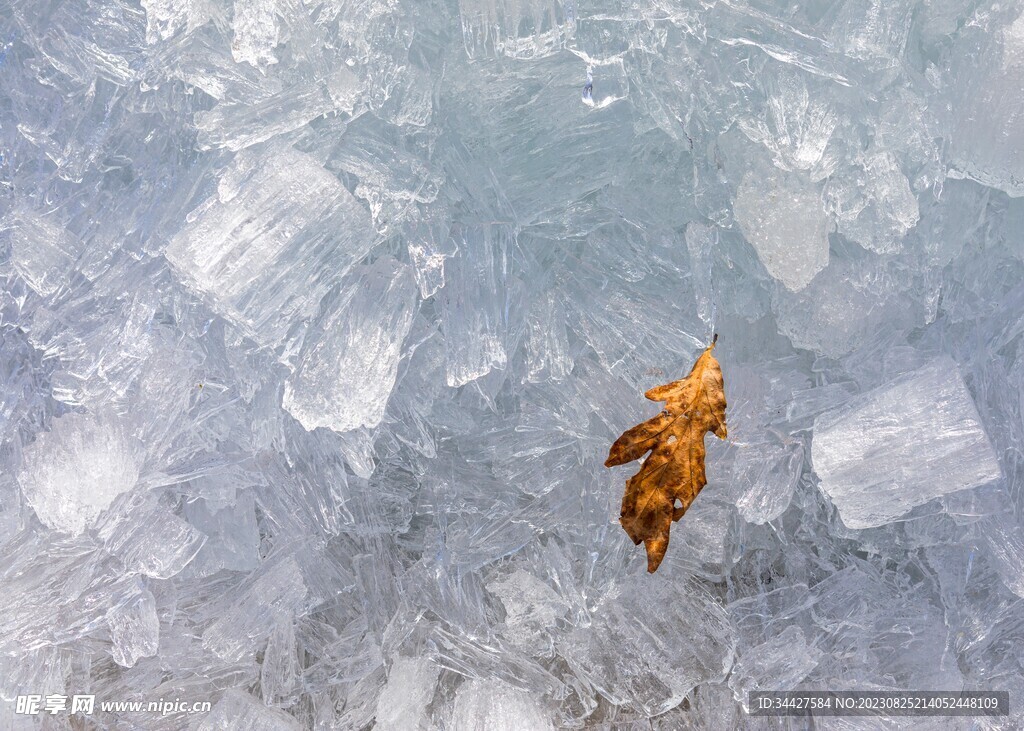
[318, 318]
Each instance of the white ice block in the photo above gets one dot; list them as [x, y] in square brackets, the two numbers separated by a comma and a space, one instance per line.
[905, 443]
[72, 473]
[783, 218]
[494, 705]
[273, 239]
[349, 367]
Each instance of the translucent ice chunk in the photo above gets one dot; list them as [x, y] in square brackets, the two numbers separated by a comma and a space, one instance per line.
[701, 242]
[494, 705]
[852, 302]
[402, 704]
[271, 242]
[256, 32]
[429, 246]
[547, 344]
[279, 671]
[349, 363]
[612, 80]
[782, 216]
[478, 250]
[233, 538]
[796, 125]
[768, 473]
[532, 609]
[516, 28]
[990, 113]
[361, 701]
[153, 541]
[134, 629]
[902, 445]
[392, 175]
[278, 590]
[781, 662]
[706, 537]
[166, 18]
[45, 670]
[873, 203]
[872, 631]
[1005, 538]
[239, 711]
[73, 472]
[346, 654]
[41, 250]
[237, 125]
[872, 30]
[653, 644]
[779, 37]
[472, 316]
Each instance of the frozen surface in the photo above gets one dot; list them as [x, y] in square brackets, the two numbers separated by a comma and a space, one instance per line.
[909, 442]
[318, 318]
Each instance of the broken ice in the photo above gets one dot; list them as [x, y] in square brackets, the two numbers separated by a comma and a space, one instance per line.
[73, 472]
[318, 318]
[349, 364]
[271, 241]
[903, 444]
[783, 218]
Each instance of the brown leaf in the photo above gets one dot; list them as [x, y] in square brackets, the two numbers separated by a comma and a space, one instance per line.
[675, 468]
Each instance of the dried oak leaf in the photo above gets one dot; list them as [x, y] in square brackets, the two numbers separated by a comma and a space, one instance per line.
[674, 471]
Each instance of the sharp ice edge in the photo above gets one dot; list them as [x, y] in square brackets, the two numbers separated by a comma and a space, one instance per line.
[318, 318]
